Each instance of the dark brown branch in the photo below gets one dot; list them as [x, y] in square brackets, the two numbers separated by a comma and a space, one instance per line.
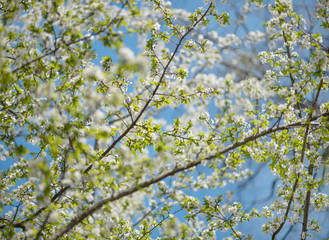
[308, 195]
[178, 168]
[310, 168]
[288, 208]
[307, 203]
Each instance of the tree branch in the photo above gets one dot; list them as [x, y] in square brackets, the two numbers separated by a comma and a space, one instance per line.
[310, 168]
[288, 208]
[63, 190]
[178, 168]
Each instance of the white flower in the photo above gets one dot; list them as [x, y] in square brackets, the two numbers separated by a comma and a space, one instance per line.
[53, 216]
[126, 54]
[93, 72]
[156, 27]
[98, 116]
[255, 36]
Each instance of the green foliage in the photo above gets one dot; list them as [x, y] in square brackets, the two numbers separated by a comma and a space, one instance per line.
[174, 132]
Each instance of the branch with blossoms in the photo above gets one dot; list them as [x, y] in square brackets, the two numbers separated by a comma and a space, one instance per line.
[62, 191]
[183, 105]
[178, 168]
